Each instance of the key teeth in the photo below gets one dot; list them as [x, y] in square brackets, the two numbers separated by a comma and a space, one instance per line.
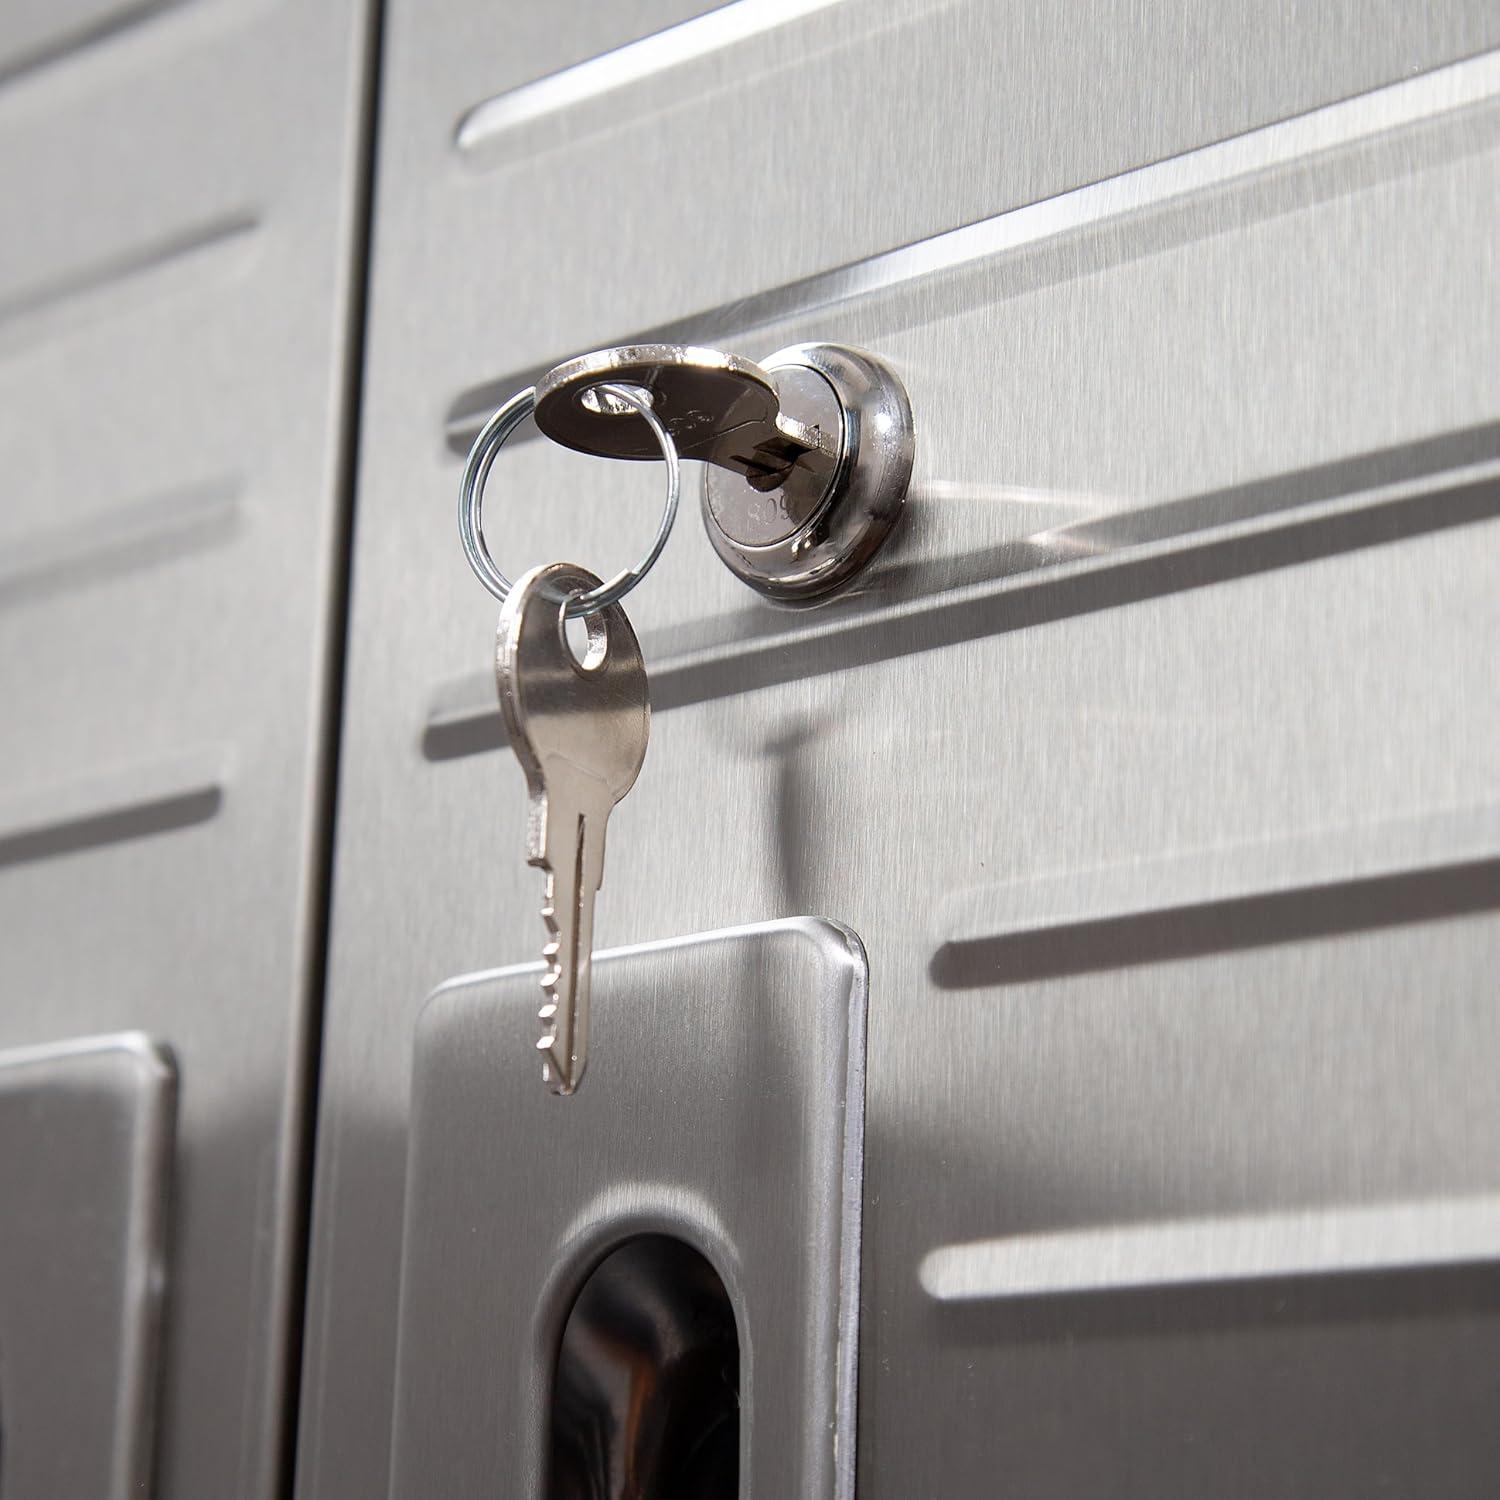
[554, 1075]
[547, 1015]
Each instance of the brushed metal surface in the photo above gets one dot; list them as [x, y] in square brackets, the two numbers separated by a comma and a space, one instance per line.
[179, 182]
[37, 33]
[85, 1181]
[1198, 314]
[725, 1107]
[1314, 143]
[956, 110]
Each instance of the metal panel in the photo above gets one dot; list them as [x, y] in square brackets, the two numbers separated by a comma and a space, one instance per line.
[85, 1169]
[1153, 762]
[743, 1047]
[181, 193]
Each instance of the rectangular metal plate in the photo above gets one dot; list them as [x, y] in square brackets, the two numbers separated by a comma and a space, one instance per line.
[85, 1162]
[724, 1104]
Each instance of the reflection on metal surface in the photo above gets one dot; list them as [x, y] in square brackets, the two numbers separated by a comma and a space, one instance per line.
[645, 1401]
[635, 62]
[1236, 1247]
[1374, 499]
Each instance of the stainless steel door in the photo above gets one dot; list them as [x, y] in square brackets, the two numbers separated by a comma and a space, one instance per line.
[181, 189]
[1153, 764]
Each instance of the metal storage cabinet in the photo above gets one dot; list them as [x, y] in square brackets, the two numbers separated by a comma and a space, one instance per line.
[1154, 763]
[180, 186]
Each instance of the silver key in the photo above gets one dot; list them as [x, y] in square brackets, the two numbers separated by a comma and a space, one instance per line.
[580, 732]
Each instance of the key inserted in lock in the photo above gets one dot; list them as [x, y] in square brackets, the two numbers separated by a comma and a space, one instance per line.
[718, 407]
[809, 455]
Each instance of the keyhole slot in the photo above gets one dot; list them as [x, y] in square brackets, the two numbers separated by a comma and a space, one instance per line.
[646, 1393]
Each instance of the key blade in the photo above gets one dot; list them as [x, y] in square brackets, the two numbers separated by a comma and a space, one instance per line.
[564, 1039]
[568, 914]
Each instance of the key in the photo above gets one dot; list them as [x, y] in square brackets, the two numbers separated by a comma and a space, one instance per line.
[579, 731]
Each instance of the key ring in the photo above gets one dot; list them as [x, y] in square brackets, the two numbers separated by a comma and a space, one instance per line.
[477, 470]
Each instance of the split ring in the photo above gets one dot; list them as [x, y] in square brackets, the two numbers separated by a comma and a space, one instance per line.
[477, 470]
